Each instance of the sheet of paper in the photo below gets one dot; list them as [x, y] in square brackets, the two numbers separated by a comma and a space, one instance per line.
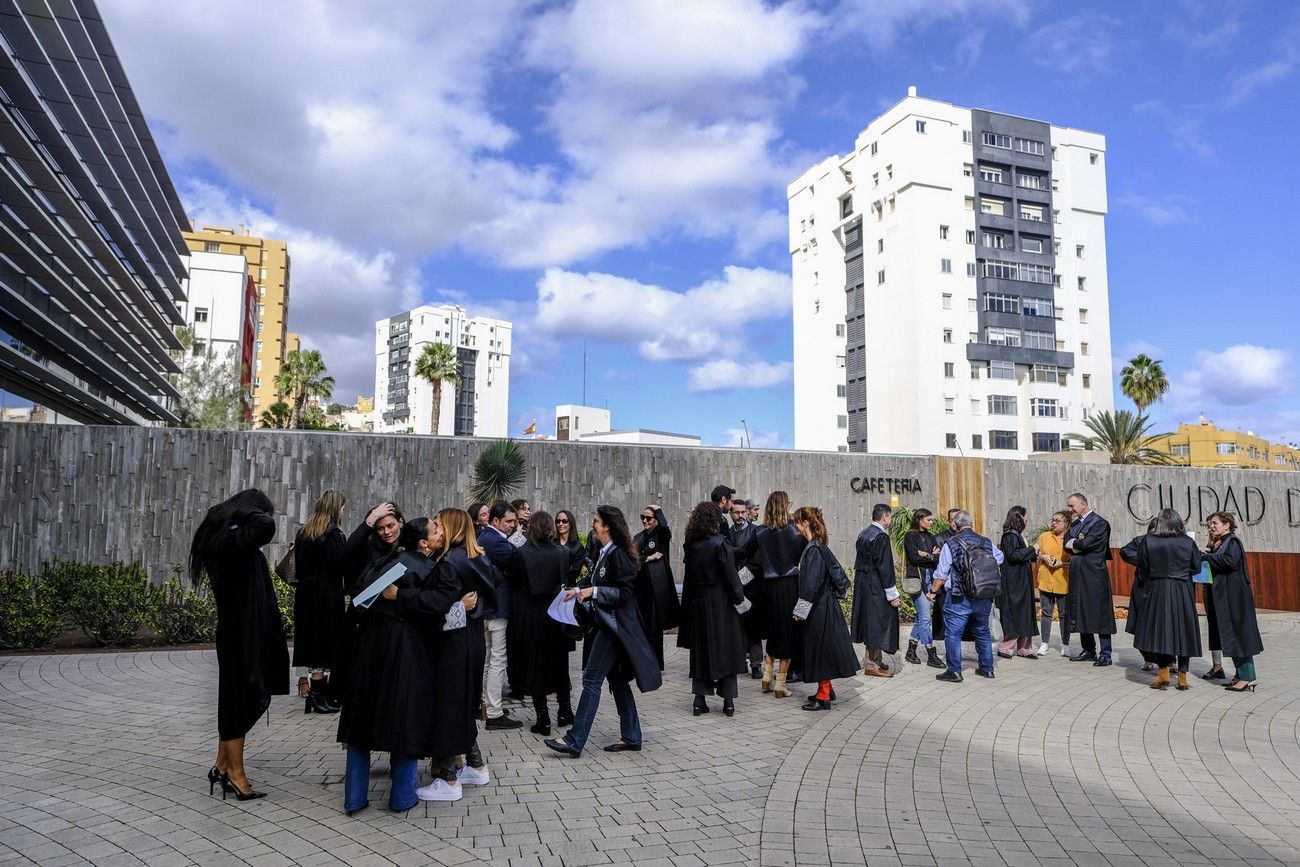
[366, 597]
[561, 609]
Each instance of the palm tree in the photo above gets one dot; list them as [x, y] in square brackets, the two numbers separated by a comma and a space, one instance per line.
[437, 364]
[1125, 435]
[302, 376]
[1143, 380]
[277, 415]
[499, 471]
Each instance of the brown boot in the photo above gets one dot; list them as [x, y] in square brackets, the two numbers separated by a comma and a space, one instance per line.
[1182, 680]
[1162, 679]
[767, 675]
[779, 690]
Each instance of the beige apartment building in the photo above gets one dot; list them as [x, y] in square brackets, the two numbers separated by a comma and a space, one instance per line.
[268, 265]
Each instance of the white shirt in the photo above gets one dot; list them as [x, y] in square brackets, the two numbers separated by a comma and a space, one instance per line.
[1069, 544]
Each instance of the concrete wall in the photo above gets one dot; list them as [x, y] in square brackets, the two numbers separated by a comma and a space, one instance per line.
[103, 493]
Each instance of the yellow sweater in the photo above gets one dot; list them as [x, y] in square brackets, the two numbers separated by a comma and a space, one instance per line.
[1053, 580]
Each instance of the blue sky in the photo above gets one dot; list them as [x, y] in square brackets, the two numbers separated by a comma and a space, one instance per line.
[616, 173]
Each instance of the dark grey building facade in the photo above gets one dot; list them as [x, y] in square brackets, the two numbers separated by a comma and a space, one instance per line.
[90, 225]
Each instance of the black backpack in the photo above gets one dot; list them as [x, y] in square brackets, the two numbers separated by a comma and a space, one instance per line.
[983, 576]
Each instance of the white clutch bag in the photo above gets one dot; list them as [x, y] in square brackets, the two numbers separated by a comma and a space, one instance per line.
[456, 618]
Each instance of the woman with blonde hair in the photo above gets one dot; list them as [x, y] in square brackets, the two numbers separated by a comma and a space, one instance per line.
[779, 547]
[320, 568]
[825, 648]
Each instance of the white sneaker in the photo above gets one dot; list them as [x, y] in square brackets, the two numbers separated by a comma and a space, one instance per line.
[473, 776]
[440, 790]
[1042, 649]
[1065, 650]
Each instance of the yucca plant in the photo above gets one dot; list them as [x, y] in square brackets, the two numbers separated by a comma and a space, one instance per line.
[1125, 436]
[499, 471]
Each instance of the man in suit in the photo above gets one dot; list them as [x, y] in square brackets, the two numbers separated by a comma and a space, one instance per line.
[744, 538]
[875, 593]
[494, 539]
[1090, 606]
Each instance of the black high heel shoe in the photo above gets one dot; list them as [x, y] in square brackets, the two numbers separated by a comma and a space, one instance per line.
[316, 700]
[729, 706]
[1215, 673]
[701, 706]
[228, 786]
[214, 777]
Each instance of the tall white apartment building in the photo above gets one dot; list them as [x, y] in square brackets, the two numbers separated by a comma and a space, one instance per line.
[476, 405]
[215, 308]
[950, 293]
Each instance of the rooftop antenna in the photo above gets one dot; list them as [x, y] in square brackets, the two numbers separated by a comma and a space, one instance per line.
[748, 442]
[584, 372]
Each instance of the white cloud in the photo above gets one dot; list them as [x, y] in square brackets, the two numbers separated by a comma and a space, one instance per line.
[1239, 375]
[883, 22]
[723, 374]
[665, 325]
[1184, 124]
[1084, 42]
[1244, 84]
[1160, 210]
[737, 437]
[1134, 348]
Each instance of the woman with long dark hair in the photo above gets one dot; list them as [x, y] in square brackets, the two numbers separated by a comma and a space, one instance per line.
[616, 648]
[922, 555]
[1137, 593]
[566, 533]
[539, 667]
[825, 650]
[1166, 623]
[1016, 593]
[779, 547]
[711, 626]
[375, 538]
[252, 657]
[656, 591]
[1230, 603]
[478, 513]
[320, 566]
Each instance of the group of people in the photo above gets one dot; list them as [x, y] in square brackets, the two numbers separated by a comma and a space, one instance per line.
[416, 629]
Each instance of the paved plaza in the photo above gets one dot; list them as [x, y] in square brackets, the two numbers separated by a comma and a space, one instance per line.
[104, 757]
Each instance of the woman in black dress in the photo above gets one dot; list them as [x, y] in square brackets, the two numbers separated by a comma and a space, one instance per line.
[711, 625]
[825, 649]
[1016, 593]
[777, 577]
[616, 648]
[252, 656]
[1229, 602]
[535, 573]
[566, 532]
[373, 539]
[1166, 621]
[656, 592]
[320, 566]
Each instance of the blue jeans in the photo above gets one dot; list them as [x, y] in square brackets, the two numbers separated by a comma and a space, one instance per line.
[1089, 644]
[404, 770]
[600, 662]
[956, 611]
[922, 629]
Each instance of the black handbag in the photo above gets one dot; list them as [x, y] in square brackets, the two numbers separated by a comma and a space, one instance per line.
[286, 569]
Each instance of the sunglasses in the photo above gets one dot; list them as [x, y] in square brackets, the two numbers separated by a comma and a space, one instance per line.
[561, 520]
[645, 518]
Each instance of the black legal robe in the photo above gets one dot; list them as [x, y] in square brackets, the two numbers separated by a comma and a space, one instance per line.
[875, 621]
[744, 540]
[363, 548]
[614, 610]
[538, 661]
[1138, 594]
[1230, 603]
[1089, 603]
[777, 591]
[655, 588]
[1016, 595]
[459, 654]
[321, 566]
[1166, 621]
[711, 591]
[252, 655]
[824, 650]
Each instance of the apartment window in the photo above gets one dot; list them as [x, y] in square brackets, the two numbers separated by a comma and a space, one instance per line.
[949, 370]
[997, 207]
[947, 301]
[970, 269]
[972, 305]
[975, 370]
[1083, 316]
[875, 179]
[945, 266]
[996, 303]
[970, 236]
[949, 405]
[1031, 245]
[977, 441]
[992, 174]
[1030, 146]
[920, 127]
[965, 136]
[1032, 181]
[1078, 251]
[839, 390]
[1036, 274]
[1047, 442]
[1083, 349]
[846, 207]
[1225, 448]
[880, 276]
[839, 360]
[257, 382]
[950, 441]
[873, 148]
[839, 329]
[889, 172]
[995, 140]
[199, 347]
[1039, 307]
[1034, 213]
[1001, 270]
[211, 246]
[1002, 404]
[1083, 284]
[967, 170]
[1002, 370]
[1002, 336]
[1044, 407]
[1093, 158]
[970, 203]
[1087, 380]
[1004, 439]
[943, 233]
[841, 421]
[974, 337]
[1045, 373]
[996, 240]
[200, 314]
[1180, 451]
[947, 335]
[1056, 281]
[261, 291]
[880, 245]
[1039, 340]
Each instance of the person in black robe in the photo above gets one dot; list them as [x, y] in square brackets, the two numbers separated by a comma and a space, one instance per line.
[777, 578]
[616, 649]
[1090, 605]
[656, 590]
[566, 531]
[252, 655]
[1015, 597]
[711, 590]
[1137, 595]
[824, 651]
[875, 593]
[1167, 625]
[389, 704]
[373, 539]
[535, 573]
[744, 541]
[1230, 603]
[320, 567]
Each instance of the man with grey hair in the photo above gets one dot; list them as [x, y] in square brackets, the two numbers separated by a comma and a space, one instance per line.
[959, 608]
[755, 511]
[1089, 604]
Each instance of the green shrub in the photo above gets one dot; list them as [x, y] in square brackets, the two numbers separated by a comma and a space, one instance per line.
[30, 614]
[183, 615]
[906, 610]
[284, 600]
[109, 602]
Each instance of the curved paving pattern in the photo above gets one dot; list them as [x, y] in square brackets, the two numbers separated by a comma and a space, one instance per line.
[104, 757]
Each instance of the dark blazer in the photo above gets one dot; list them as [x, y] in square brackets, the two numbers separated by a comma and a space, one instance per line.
[918, 546]
[711, 626]
[614, 610]
[498, 552]
[875, 621]
[1230, 603]
[1090, 605]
